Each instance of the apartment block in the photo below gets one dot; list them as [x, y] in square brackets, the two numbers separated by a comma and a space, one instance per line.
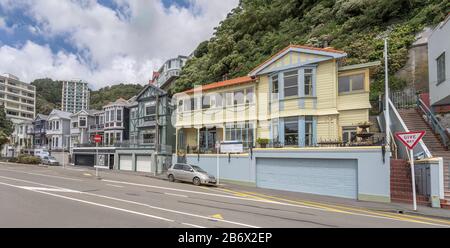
[75, 96]
[169, 71]
[19, 98]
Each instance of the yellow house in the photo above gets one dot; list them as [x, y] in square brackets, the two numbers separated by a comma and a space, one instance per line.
[298, 97]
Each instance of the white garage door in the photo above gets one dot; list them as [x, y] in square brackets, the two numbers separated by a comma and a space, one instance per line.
[144, 163]
[315, 176]
[125, 162]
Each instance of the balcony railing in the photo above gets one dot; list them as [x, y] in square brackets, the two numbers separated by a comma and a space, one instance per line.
[129, 144]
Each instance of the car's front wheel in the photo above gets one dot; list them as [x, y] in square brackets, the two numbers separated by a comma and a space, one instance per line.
[171, 178]
[197, 181]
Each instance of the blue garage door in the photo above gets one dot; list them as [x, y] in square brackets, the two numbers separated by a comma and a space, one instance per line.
[315, 176]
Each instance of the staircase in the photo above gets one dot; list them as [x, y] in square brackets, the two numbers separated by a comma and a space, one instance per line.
[401, 189]
[414, 121]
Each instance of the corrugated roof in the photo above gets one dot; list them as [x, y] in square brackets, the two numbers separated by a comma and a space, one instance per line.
[231, 82]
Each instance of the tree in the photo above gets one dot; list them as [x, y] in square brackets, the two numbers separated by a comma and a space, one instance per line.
[6, 127]
[257, 29]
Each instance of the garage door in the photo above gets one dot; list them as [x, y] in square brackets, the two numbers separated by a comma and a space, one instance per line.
[126, 162]
[315, 176]
[84, 160]
[144, 163]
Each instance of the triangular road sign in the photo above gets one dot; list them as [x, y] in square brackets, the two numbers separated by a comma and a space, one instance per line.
[410, 139]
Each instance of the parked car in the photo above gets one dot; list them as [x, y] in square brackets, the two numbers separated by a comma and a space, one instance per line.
[190, 173]
[49, 160]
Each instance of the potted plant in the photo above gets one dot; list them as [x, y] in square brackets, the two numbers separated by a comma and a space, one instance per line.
[262, 142]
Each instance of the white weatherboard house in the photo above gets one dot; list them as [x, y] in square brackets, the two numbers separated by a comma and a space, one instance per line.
[58, 132]
[439, 66]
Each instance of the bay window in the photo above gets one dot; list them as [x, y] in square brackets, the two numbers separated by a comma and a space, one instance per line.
[291, 83]
[308, 82]
[291, 131]
[309, 131]
[119, 115]
[275, 87]
[243, 132]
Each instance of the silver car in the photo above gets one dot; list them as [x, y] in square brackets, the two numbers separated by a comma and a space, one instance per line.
[49, 160]
[190, 173]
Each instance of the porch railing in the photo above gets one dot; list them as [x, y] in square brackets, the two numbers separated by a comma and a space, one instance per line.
[434, 123]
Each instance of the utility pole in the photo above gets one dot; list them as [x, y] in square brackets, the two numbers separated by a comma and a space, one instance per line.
[387, 116]
[157, 133]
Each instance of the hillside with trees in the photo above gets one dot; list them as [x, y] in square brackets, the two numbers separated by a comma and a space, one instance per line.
[256, 29]
[103, 96]
[49, 94]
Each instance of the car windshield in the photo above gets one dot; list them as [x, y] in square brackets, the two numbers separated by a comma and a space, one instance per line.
[198, 169]
[53, 158]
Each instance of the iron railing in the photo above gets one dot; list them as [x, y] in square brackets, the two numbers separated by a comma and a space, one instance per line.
[434, 123]
[406, 98]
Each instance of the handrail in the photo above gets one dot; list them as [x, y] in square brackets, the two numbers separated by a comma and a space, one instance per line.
[405, 129]
[434, 123]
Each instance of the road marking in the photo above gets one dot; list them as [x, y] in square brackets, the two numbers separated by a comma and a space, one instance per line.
[410, 218]
[304, 204]
[112, 185]
[87, 174]
[50, 189]
[44, 175]
[176, 195]
[91, 203]
[197, 226]
[217, 216]
[136, 203]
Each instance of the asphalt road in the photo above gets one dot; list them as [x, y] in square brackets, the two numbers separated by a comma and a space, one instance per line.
[32, 196]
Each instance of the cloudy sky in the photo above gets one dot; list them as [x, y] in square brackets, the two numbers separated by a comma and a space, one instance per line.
[102, 41]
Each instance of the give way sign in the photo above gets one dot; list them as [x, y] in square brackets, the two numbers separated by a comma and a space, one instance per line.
[410, 139]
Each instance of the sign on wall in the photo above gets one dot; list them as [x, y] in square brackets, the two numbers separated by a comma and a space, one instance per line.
[231, 147]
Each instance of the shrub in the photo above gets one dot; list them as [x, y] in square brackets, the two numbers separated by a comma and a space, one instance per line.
[27, 159]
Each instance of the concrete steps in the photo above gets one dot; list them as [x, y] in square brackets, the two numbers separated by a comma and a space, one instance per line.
[414, 121]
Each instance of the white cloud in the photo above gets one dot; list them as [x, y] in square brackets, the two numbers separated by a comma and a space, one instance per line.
[124, 46]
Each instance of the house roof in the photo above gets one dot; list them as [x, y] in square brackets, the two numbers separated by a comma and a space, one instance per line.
[89, 112]
[300, 48]
[61, 114]
[360, 66]
[41, 116]
[162, 92]
[231, 82]
[118, 102]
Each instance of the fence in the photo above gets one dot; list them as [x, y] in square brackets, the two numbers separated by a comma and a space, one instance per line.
[406, 98]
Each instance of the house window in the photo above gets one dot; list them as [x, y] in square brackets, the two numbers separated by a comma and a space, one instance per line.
[229, 98]
[440, 61]
[291, 131]
[74, 124]
[112, 115]
[348, 134]
[83, 122]
[206, 102]
[291, 83]
[148, 138]
[239, 97]
[308, 78]
[249, 95]
[180, 105]
[351, 83]
[57, 125]
[118, 137]
[240, 132]
[218, 98]
[308, 131]
[150, 108]
[275, 87]
[119, 115]
[275, 132]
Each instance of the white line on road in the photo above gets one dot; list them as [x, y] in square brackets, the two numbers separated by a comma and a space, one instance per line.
[44, 175]
[133, 202]
[224, 196]
[176, 195]
[50, 189]
[112, 185]
[197, 226]
[89, 202]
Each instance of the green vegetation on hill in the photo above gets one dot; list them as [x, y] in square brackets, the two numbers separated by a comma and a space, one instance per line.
[49, 93]
[109, 94]
[257, 29]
